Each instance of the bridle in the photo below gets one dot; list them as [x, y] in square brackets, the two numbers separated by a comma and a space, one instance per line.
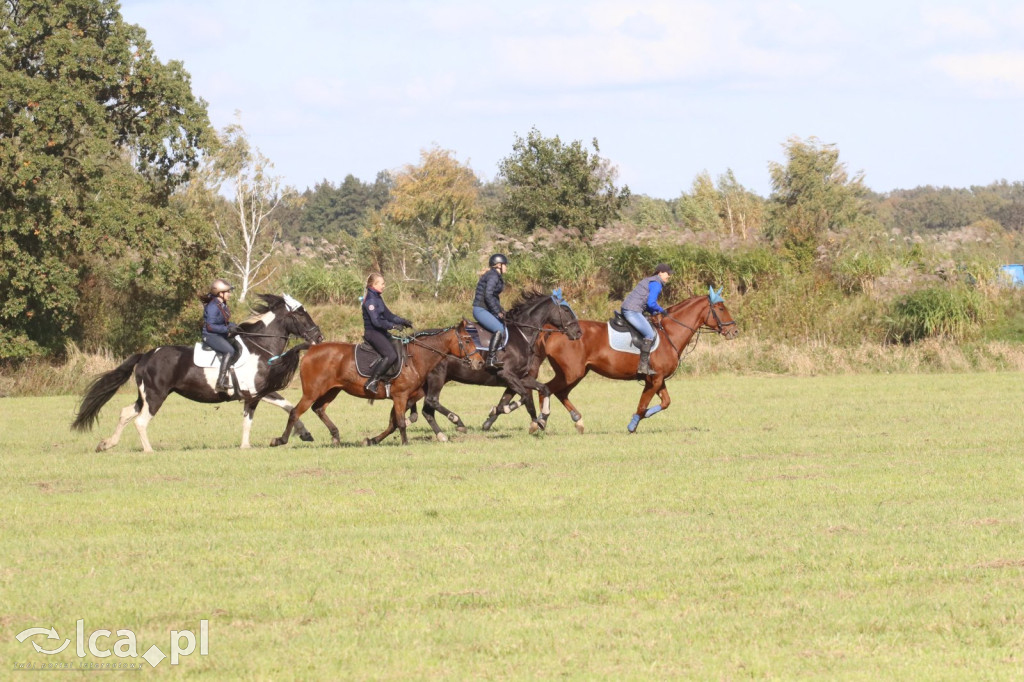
[463, 355]
[562, 326]
[309, 334]
[712, 313]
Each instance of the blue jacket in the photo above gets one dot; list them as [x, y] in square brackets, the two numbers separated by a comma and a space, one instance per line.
[216, 318]
[488, 289]
[644, 297]
[377, 316]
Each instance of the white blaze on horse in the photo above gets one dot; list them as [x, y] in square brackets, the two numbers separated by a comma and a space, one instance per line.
[192, 373]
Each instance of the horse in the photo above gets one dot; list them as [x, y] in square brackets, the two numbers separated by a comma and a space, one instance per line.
[171, 369]
[329, 368]
[572, 360]
[526, 321]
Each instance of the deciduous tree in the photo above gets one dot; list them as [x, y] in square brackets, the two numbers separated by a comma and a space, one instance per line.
[549, 184]
[95, 135]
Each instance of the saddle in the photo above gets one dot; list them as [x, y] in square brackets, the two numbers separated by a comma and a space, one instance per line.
[366, 355]
[207, 358]
[482, 338]
[622, 336]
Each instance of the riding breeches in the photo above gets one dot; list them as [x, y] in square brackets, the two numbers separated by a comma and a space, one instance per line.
[640, 323]
[381, 343]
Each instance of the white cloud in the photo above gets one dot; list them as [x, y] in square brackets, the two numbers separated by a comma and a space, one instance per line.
[991, 74]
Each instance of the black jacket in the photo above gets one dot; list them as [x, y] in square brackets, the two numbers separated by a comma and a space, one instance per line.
[377, 316]
[488, 289]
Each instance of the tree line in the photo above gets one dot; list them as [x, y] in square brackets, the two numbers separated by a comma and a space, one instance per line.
[120, 200]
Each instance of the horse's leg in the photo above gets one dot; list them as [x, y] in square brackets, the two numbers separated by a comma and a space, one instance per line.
[650, 388]
[151, 403]
[398, 411]
[504, 406]
[429, 410]
[385, 433]
[278, 400]
[320, 409]
[517, 385]
[247, 411]
[127, 414]
[414, 415]
[561, 385]
[293, 416]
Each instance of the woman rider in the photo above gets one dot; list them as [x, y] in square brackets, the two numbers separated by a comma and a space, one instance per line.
[487, 310]
[377, 321]
[644, 298]
[217, 327]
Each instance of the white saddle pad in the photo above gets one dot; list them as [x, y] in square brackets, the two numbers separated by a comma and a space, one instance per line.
[623, 341]
[208, 358]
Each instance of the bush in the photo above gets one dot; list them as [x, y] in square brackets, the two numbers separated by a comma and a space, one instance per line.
[315, 284]
[954, 314]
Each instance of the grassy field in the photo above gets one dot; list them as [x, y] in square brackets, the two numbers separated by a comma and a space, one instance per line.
[842, 527]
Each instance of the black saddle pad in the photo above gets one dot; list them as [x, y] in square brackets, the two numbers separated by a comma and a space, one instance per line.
[366, 355]
[619, 324]
[481, 337]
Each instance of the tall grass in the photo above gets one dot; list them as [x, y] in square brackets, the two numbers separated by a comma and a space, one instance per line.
[953, 313]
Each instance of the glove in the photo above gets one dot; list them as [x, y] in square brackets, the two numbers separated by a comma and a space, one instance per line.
[501, 315]
[232, 329]
[406, 323]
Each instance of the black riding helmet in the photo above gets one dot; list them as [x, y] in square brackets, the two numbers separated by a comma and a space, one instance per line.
[497, 259]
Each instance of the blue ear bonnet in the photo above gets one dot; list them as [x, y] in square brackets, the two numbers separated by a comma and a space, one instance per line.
[715, 296]
[556, 296]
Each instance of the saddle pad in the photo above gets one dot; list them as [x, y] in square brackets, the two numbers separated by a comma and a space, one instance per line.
[623, 341]
[203, 356]
[366, 355]
[482, 338]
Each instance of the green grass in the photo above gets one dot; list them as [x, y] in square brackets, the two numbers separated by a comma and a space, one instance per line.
[843, 527]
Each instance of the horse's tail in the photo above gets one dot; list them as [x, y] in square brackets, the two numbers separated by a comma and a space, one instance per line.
[100, 391]
[282, 369]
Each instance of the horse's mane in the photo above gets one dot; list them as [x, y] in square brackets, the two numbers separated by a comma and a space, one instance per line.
[270, 302]
[527, 299]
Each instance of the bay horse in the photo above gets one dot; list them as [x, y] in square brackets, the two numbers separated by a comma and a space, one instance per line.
[572, 360]
[171, 369]
[329, 368]
[526, 321]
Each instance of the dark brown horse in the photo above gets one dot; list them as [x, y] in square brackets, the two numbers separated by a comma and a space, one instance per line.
[572, 360]
[171, 369]
[329, 368]
[526, 321]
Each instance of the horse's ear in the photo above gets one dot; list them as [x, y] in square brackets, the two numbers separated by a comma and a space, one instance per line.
[715, 296]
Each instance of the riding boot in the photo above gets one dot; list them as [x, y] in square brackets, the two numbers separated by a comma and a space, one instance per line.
[645, 357]
[222, 378]
[375, 375]
[492, 352]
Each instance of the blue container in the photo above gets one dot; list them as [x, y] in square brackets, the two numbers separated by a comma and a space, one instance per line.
[1013, 274]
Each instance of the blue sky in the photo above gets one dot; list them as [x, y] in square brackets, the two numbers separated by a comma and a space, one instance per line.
[912, 92]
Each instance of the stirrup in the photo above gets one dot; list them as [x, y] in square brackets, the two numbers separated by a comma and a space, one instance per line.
[372, 385]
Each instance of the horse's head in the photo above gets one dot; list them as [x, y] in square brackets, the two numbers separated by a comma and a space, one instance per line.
[719, 317]
[464, 347]
[292, 316]
[537, 309]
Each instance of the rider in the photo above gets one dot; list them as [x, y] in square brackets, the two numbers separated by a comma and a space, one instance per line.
[218, 327]
[377, 320]
[644, 298]
[487, 310]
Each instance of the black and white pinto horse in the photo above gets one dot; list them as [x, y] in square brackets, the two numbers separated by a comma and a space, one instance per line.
[176, 369]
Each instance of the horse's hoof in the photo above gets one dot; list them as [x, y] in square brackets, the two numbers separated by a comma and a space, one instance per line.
[460, 429]
[308, 437]
[367, 442]
[414, 417]
[335, 442]
[102, 446]
[579, 426]
[441, 438]
[274, 442]
[488, 424]
[534, 428]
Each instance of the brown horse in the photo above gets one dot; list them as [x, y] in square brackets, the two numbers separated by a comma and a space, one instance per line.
[572, 360]
[329, 368]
